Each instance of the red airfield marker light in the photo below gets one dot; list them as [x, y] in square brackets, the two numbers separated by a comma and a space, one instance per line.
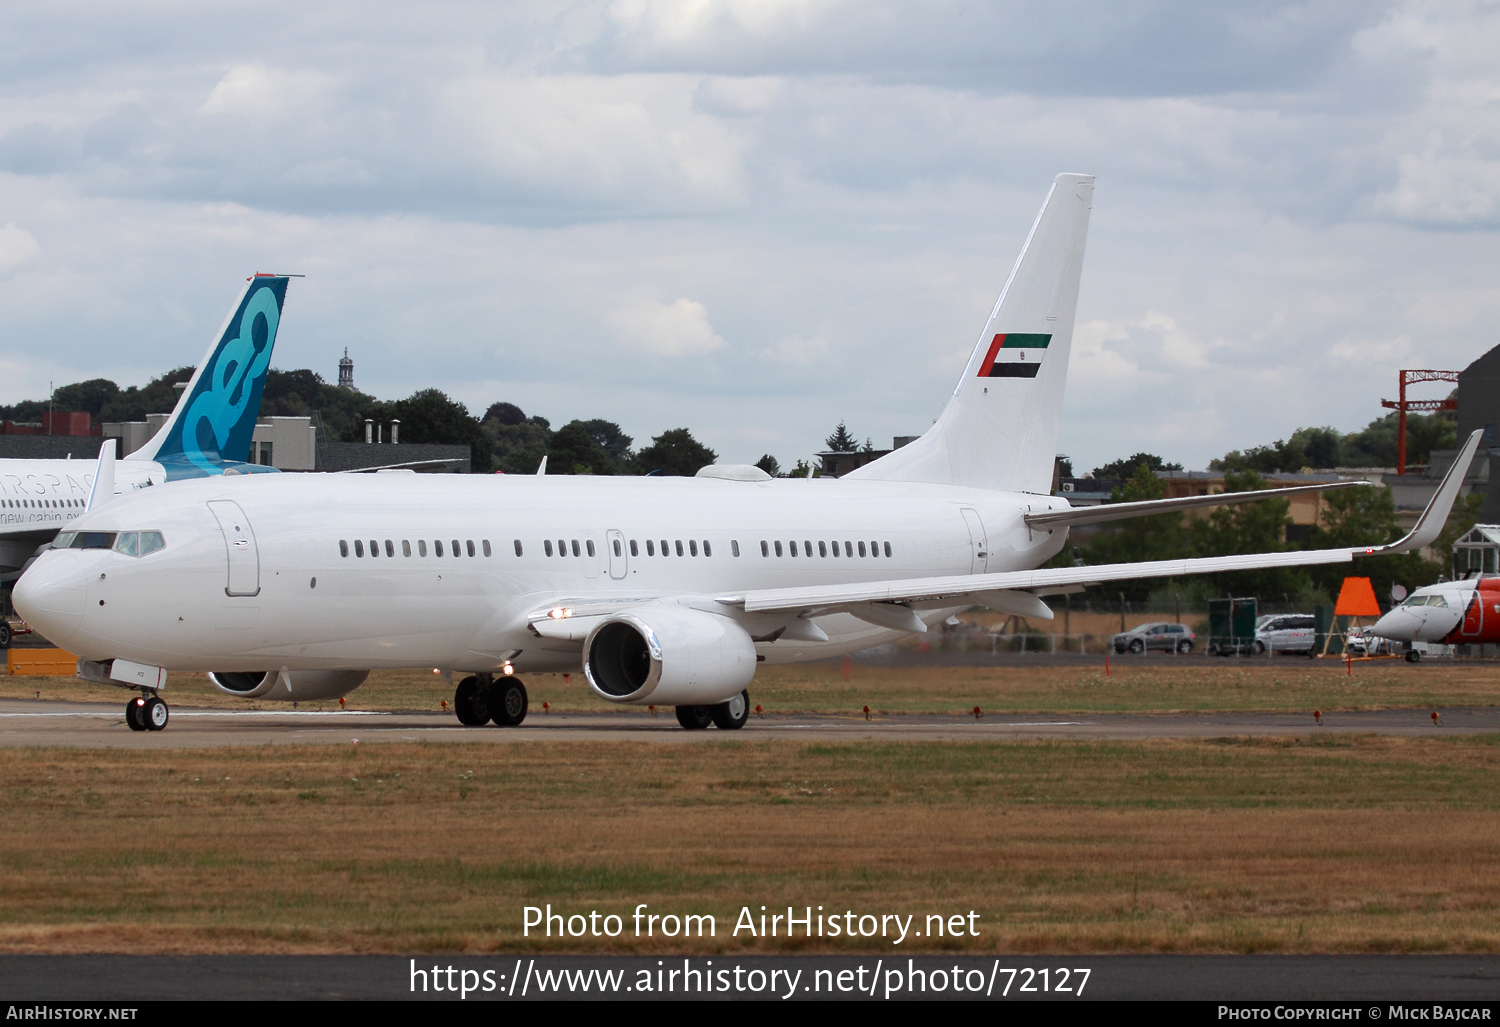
[342, 705]
[567, 678]
[867, 713]
[759, 712]
[978, 713]
[445, 705]
[652, 709]
[1106, 664]
[1436, 720]
[1318, 716]
[846, 666]
[546, 707]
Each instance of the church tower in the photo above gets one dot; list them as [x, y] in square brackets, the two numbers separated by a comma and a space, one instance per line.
[346, 371]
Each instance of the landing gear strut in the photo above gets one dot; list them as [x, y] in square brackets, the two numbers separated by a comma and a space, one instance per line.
[146, 712]
[479, 698]
[729, 715]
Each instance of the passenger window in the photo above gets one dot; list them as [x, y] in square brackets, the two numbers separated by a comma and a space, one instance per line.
[765, 550]
[486, 547]
[792, 547]
[679, 547]
[874, 548]
[589, 544]
[459, 552]
[861, 549]
[692, 546]
[127, 543]
[734, 547]
[562, 547]
[778, 548]
[887, 549]
[374, 547]
[848, 548]
[518, 547]
[547, 546]
[405, 547]
[421, 547]
[469, 547]
[635, 550]
[359, 548]
[151, 541]
[835, 546]
[665, 549]
[616, 544]
[343, 548]
[650, 548]
[706, 550]
[437, 547]
[822, 549]
[390, 548]
[576, 551]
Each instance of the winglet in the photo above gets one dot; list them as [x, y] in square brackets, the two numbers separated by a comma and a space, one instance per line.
[542, 467]
[104, 477]
[1430, 524]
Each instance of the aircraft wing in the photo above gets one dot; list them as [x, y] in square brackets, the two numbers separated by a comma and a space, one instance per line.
[886, 602]
[1147, 507]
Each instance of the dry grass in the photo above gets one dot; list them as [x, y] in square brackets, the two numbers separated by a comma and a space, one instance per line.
[1135, 684]
[1343, 844]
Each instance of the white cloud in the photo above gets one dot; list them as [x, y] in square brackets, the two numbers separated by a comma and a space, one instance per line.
[18, 247]
[674, 329]
[254, 90]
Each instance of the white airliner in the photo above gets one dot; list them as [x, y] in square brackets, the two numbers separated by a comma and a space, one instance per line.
[667, 591]
[208, 433]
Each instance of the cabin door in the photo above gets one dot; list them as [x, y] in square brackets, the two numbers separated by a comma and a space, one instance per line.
[239, 542]
[979, 556]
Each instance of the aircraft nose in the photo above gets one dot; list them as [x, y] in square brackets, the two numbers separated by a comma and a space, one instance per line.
[1400, 625]
[51, 597]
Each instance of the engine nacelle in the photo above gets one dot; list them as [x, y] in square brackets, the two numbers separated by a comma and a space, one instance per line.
[668, 656]
[294, 686]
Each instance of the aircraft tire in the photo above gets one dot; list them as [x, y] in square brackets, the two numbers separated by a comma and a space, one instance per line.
[133, 716]
[695, 718]
[508, 702]
[4, 634]
[155, 713]
[731, 714]
[1412, 656]
[469, 703]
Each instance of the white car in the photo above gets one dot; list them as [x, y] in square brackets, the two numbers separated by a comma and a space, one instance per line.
[1290, 633]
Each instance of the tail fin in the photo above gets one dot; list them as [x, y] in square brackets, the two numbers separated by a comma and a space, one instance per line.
[999, 431]
[210, 428]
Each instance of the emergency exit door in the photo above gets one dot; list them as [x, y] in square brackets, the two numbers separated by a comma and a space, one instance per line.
[239, 543]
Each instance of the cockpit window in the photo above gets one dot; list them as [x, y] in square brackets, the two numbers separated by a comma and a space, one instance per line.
[151, 541]
[130, 543]
[86, 540]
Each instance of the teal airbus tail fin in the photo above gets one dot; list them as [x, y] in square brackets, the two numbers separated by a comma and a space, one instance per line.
[210, 428]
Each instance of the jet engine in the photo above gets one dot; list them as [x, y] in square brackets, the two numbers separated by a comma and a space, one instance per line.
[293, 685]
[668, 656]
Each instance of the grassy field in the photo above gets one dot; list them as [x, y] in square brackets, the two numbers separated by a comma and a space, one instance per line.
[1135, 684]
[1343, 844]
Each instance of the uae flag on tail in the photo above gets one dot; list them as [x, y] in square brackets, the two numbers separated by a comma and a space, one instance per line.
[1014, 355]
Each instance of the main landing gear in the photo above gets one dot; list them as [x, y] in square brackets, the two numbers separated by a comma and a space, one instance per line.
[726, 716]
[480, 698]
[146, 712]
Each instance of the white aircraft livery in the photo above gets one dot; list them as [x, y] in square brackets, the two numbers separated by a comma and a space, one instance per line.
[208, 433]
[667, 591]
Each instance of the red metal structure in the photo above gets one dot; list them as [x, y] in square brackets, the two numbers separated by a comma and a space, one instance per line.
[1403, 405]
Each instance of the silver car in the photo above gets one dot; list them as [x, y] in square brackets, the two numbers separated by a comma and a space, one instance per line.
[1168, 637]
[1290, 633]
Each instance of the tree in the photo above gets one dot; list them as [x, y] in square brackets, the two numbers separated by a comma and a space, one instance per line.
[1322, 445]
[768, 464]
[675, 452]
[1126, 468]
[575, 450]
[841, 441]
[612, 440]
[1258, 527]
[503, 413]
[802, 470]
[1141, 538]
[89, 396]
[428, 416]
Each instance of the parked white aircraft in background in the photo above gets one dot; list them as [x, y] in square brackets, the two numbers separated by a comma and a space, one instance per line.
[666, 591]
[207, 434]
[1463, 612]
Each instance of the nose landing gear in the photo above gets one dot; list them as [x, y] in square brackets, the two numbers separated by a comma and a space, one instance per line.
[146, 712]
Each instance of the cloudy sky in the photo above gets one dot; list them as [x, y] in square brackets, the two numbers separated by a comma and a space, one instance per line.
[754, 218]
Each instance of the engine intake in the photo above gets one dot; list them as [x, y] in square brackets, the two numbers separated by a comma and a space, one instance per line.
[297, 686]
[668, 656]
